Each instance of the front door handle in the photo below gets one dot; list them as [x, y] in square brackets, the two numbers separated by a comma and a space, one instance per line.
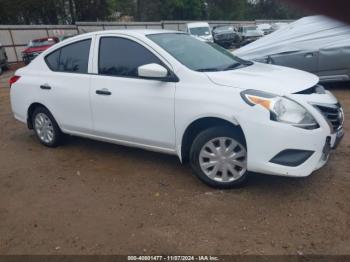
[103, 92]
[45, 87]
[309, 55]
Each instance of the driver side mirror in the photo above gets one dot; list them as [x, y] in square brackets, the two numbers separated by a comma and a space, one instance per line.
[153, 71]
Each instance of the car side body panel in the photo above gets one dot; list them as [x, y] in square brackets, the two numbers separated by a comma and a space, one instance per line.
[194, 100]
[302, 60]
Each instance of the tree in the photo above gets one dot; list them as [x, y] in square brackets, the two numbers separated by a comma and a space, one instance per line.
[272, 9]
[227, 9]
[182, 9]
[69, 11]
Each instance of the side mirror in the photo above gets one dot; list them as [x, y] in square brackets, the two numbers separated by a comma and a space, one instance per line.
[153, 71]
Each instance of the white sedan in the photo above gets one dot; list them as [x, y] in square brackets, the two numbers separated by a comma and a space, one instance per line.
[168, 92]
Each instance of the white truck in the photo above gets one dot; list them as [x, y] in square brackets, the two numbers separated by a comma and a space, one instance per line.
[201, 30]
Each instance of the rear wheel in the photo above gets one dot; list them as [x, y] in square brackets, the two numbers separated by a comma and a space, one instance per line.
[46, 127]
[219, 158]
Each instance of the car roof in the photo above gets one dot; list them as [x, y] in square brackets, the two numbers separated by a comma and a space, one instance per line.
[137, 33]
[197, 24]
[132, 32]
[45, 38]
[140, 31]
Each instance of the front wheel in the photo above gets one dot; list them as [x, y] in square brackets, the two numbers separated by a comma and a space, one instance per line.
[219, 158]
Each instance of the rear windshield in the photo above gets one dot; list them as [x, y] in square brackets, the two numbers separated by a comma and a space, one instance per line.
[200, 31]
[252, 28]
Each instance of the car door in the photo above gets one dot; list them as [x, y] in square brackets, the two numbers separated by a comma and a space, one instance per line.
[126, 107]
[302, 60]
[65, 87]
[334, 63]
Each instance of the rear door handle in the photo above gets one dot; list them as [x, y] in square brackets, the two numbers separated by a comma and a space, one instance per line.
[45, 87]
[103, 92]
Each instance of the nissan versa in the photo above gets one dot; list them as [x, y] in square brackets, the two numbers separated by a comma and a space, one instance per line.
[170, 92]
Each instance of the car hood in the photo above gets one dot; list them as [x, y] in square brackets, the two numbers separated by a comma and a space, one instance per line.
[36, 49]
[268, 78]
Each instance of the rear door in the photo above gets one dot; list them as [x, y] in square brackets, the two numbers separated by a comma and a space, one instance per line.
[66, 86]
[334, 63]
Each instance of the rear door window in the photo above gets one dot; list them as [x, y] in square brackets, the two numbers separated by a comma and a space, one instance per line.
[73, 58]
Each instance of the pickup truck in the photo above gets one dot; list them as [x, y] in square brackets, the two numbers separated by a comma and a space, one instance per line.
[36, 47]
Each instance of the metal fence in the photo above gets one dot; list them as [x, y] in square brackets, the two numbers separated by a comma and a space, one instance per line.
[15, 37]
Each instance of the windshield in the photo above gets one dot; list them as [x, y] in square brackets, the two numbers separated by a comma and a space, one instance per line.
[200, 31]
[38, 43]
[250, 28]
[197, 55]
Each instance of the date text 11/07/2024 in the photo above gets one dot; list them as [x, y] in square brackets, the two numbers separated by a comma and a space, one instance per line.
[173, 258]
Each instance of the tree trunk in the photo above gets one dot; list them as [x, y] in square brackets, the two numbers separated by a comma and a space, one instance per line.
[72, 11]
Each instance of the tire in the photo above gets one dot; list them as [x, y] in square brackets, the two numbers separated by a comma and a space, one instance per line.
[227, 166]
[46, 128]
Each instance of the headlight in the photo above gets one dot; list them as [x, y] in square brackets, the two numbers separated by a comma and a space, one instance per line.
[281, 109]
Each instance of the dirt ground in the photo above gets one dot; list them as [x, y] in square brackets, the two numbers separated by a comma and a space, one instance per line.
[88, 197]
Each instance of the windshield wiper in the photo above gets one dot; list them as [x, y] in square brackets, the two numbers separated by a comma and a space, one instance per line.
[237, 65]
[232, 66]
[208, 70]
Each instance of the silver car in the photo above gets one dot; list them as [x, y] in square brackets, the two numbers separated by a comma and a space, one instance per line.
[331, 64]
[316, 44]
[249, 34]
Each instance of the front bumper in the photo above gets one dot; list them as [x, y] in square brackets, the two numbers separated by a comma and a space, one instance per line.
[224, 41]
[274, 138]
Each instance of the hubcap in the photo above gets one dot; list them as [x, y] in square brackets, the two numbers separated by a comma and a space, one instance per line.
[44, 128]
[223, 159]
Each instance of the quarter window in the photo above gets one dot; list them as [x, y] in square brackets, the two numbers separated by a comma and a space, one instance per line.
[73, 58]
[53, 60]
[122, 57]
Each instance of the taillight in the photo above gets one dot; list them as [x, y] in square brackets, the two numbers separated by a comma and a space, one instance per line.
[13, 80]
